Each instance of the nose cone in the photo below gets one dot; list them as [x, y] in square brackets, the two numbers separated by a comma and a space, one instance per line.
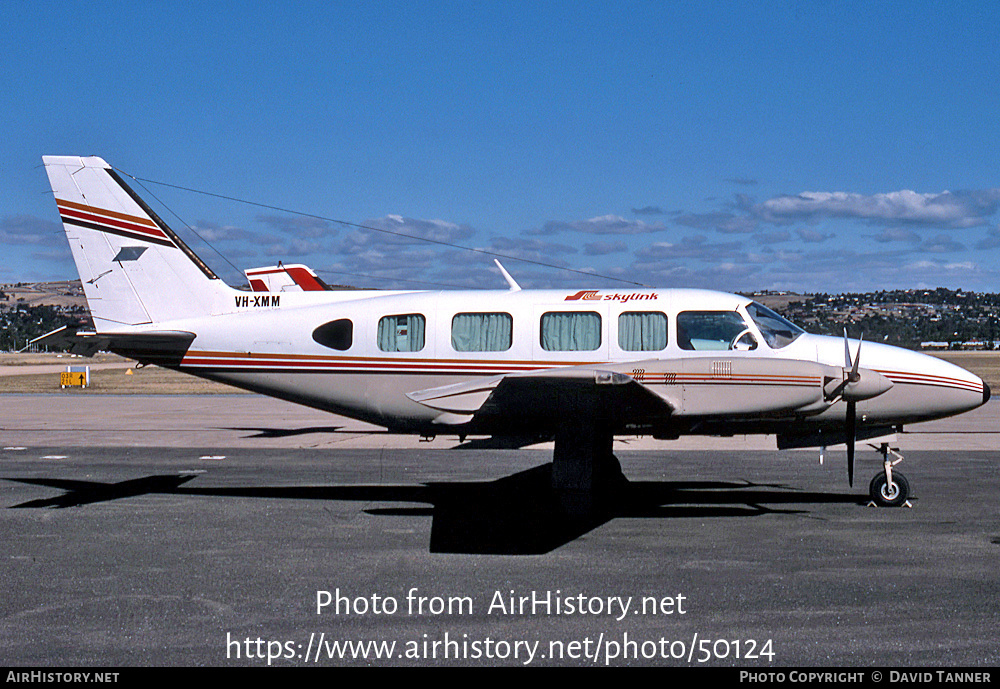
[941, 388]
[924, 387]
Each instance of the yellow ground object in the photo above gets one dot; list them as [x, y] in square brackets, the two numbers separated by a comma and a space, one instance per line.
[75, 376]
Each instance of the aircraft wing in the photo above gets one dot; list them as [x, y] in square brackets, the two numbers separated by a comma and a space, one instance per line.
[638, 391]
[599, 392]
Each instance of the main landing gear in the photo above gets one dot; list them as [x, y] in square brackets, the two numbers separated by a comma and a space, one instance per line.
[587, 478]
[889, 488]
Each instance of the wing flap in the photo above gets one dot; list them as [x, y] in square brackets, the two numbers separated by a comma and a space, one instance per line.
[461, 398]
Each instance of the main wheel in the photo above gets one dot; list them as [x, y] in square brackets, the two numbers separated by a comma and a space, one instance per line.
[886, 495]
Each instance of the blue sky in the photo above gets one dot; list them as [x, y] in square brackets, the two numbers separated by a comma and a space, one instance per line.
[806, 146]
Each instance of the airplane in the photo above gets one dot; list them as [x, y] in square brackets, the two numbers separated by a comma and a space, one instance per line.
[578, 366]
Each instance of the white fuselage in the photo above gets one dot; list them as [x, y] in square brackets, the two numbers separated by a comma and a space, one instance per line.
[264, 342]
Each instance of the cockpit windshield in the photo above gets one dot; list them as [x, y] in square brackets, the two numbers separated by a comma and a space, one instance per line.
[778, 331]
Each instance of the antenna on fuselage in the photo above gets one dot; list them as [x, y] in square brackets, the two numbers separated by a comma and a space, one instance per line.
[514, 287]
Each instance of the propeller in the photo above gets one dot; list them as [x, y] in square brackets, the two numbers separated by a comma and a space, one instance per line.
[852, 384]
[852, 434]
[851, 427]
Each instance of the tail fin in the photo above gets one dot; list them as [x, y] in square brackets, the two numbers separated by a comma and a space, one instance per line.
[135, 270]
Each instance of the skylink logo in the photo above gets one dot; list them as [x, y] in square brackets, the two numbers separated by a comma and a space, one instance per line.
[263, 300]
[594, 295]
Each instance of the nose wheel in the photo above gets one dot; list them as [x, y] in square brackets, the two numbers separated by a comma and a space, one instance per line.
[886, 494]
[889, 488]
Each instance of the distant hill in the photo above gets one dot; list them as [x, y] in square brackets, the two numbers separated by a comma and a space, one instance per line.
[31, 309]
[64, 294]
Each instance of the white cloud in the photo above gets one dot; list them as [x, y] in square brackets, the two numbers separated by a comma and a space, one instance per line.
[604, 224]
[813, 236]
[696, 247]
[27, 229]
[896, 234]
[300, 226]
[531, 249]
[214, 232]
[603, 248]
[991, 240]
[727, 223]
[399, 229]
[946, 209]
[942, 244]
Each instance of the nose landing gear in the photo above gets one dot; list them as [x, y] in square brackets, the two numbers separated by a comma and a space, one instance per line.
[889, 488]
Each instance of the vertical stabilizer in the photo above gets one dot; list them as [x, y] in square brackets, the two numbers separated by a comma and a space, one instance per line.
[135, 270]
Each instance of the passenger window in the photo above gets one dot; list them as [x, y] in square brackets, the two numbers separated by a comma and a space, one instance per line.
[710, 330]
[481, 332]
[337, 334]
[571, 331]
[642, 331]
[401, 333]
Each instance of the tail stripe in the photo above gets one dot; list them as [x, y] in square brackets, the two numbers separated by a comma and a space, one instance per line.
[109, 221]
[136, 219]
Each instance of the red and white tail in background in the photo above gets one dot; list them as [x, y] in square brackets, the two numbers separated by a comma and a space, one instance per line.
[282, 278]
[135, 270]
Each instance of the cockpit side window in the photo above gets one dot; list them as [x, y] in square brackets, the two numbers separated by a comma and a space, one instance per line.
[778, 331]
[709, 330]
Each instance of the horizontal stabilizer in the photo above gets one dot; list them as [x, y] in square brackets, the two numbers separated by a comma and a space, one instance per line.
[152, 347]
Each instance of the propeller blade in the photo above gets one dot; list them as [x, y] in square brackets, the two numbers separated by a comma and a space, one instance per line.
[851, 438]
[857, 360]
[851, 422]
[853, 376]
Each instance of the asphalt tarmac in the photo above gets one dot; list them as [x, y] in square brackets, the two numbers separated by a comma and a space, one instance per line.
[235, 531]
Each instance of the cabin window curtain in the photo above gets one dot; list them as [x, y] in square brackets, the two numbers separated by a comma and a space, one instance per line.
[481, 332]
[571, 331]
[642, 331]
[401, 333]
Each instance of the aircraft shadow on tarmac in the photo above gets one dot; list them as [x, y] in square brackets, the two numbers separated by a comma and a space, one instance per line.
[289, 432]
[496, 442]
[515, 515]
